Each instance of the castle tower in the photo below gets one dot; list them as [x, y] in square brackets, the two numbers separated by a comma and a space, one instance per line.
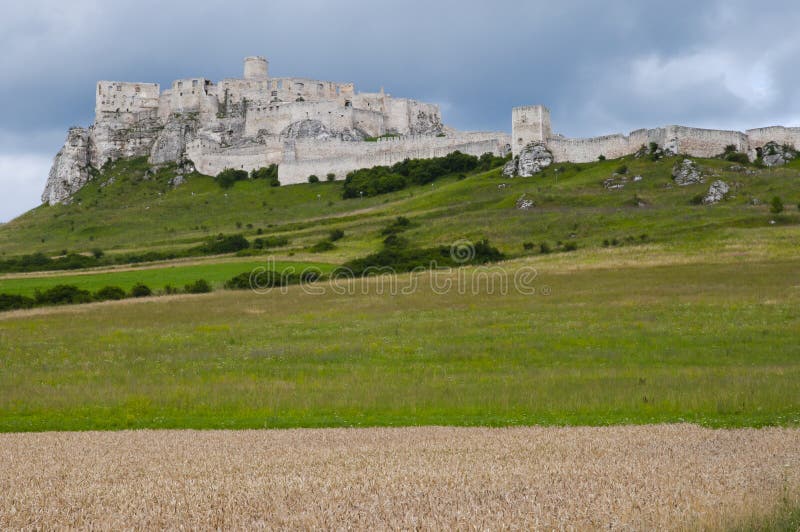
[529, 124]
[256, 68]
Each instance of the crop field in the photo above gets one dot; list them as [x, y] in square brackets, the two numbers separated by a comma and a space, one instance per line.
[647, 478]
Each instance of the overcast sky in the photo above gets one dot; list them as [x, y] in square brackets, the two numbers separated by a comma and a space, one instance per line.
[601, 67]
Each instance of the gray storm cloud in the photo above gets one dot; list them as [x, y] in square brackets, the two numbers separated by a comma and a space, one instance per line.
[600, 67]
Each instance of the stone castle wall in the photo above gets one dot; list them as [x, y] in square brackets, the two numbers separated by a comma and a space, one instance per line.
[532, 124]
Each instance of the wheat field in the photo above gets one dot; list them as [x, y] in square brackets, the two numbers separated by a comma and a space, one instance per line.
[640, 477]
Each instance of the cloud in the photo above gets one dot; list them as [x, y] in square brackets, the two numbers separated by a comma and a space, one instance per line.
[601, 67]
[21, 179]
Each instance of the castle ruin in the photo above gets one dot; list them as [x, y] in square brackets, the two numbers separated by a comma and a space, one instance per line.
[304, 126]
[531, 125]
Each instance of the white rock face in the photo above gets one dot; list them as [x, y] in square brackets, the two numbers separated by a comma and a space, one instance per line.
[70, 169]
[686, 172]
[532, 159]
[716, 193]
[777, 155]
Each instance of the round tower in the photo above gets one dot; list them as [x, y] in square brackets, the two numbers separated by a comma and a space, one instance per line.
[256, 68]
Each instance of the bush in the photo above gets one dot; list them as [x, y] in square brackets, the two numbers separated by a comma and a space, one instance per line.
[601, 158]
[224, 244]
[401, 223]
[527, 246]
[544, 248]
[570, 246]
[336, 234]
[622, 170]
[331, 177]
[97, 253]
[110, 293]
[141, 290]
[270, 242]
[697, 199]
[776, 205]
[200, 286]
[170, 290]
[228, 177]
[14, 302]
[238, 282]
[62, 294]
[313, 179]
[270, 173]
[324, 245]
[736, 157]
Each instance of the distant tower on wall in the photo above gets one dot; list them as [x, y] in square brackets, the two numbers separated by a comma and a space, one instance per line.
[256, 68]
[529, 124]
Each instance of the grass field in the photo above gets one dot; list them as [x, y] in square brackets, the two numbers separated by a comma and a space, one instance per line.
[677, 477]
[714, 344]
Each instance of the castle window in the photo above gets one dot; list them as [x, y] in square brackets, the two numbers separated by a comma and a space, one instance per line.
[180, 84]
[119, 88]
[137, 89]
[298, 86]
[348, 103]
[194, 83]
[320, 87]
[274, 93]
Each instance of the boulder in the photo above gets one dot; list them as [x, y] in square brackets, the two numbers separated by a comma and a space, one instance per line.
[686, 172]
[774, 154]
[716, 192]
[525, 204]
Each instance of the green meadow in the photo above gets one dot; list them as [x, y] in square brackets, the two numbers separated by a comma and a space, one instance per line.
[668, 311]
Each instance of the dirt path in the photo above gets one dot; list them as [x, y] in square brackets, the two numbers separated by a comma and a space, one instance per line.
[645, 477]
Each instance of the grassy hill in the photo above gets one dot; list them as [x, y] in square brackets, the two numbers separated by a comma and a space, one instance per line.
[667, 311]
[121, 210]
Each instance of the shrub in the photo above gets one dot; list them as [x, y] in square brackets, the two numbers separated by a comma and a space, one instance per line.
[528, 246]
[622, 170]
[697, 199]
[331, 177]
[62, 294]
[270, 242]
[570, 246]
[200, 286]
[15, 301]
[228, 177]
[324, 245]
[401, 223]
[336, 234]
[97, 253]
[544, 248]
[110, 293]
[601, 158]
[170, 290]
[141, 290]
[224, 244]
[269, 173]
[736, 157]
[239, 282]
[776, 205]
[313, 179]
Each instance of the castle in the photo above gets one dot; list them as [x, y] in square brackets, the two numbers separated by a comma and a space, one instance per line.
[304, 126]
[311, 127]
[531, 124]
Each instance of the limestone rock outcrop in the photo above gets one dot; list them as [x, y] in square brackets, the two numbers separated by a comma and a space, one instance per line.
[775, 154]
[171, 143]
[686, 172]
[716, 192]
[70, 169]
[532, 159]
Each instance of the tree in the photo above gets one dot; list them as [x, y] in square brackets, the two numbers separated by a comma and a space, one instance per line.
[776, 206]
[313, 179]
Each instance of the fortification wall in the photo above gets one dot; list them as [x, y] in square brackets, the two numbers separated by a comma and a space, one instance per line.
[782, 135]
[210, 159]
[586, 150]
[275, 117]
[338, 157]
[124, 97]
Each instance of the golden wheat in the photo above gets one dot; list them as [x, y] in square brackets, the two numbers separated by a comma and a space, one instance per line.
[641, 477]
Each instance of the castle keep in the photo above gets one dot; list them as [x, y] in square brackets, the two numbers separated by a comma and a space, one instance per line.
[304, 126]
[531, 124]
